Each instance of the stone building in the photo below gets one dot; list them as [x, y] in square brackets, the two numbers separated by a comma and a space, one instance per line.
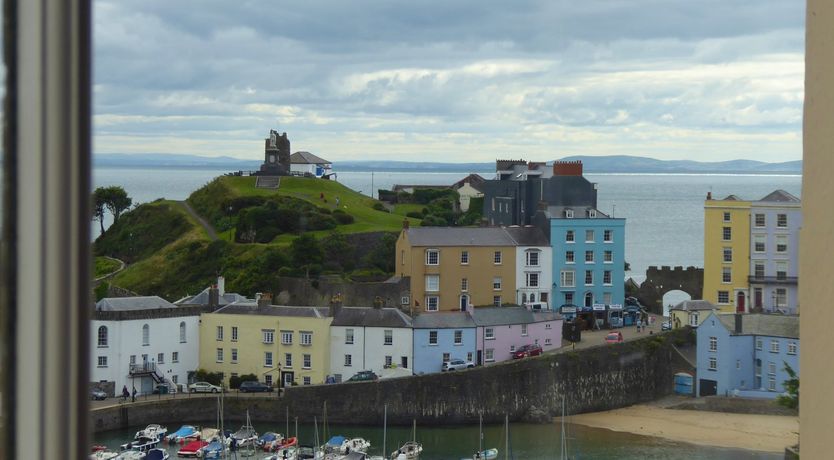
[276, 155]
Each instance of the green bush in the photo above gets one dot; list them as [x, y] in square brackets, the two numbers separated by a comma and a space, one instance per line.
[379, 206]
[214, 378]
[343, 218]
[415, 214]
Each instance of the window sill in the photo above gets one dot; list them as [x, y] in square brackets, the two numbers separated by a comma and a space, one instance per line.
[348, 343]
[306, 344]
[387, 344]
[175, 362]
[432, 344]
[458, 344]
[268, 366]
[101, 367]
[489, 338]
[102, 346]
[306, 368]
[183, 341]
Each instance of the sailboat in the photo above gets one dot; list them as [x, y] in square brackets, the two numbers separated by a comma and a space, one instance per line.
[483, 454]
[411, 449]
[563, 448]
[245, 438]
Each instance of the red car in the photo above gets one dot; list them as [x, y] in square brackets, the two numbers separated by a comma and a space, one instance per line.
[614, 337]
[527, 350]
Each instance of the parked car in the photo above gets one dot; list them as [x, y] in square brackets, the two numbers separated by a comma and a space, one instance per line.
[204, 387]
[363, 376]
[666, 325]
[457, 364]
[254, 387]
[164, 388]
[614, 337]
[97, 395]
[527, 350]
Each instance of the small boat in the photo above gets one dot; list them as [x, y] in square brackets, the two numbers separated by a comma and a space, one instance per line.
[354, 445]
[140, 445]
[289, 442]
[185, 432]
[131, 455]
[283, 454]
[246, 436]
[206, 434]
[103, 455]
[355, 456]
[269, 441]
[191, 448]
[305, 452]
[334, 444]
[214, 449]
[156, 454]
[152, 431]
[409, 451]
[488, 454]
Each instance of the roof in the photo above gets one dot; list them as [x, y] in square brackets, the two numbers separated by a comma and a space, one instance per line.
[203, 298]
[732, 198]
[402, 187]
[371, 317]
[763, 324]
[251, 308]
[503, 165]
[694, 305]
[476, 236]
[558, 212]
[443, 320]
[780, 196]
[474, 180]
[307, 158]
[132, 303]
[495, 316]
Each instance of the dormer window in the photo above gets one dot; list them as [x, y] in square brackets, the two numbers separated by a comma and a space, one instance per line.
[569, 213]
[592, 213]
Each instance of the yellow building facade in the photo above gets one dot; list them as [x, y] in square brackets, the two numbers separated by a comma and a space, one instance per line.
[282, 345]
[727, 253]
[455, 267]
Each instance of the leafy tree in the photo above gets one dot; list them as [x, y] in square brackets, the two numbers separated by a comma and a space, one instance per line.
[383, 254]
[114, 198]
[340, 252]
[306, 253]
[791, 400]
[99, 204]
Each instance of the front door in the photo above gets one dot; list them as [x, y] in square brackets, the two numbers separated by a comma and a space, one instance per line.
[740, 302]
[707, 387]
[757, 292]
[464, 302]
[287, 378]
[480, 358]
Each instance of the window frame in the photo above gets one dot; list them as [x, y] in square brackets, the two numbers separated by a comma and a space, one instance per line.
[432, 254]
[464, 257]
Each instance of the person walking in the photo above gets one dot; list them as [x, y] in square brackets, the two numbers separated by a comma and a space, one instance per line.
[125, 394]
[134, 395]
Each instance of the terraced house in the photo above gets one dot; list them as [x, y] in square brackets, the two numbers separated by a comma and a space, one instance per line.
[282, 345]
[726, 253]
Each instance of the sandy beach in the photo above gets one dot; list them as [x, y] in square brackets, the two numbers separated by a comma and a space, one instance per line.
[766, 433]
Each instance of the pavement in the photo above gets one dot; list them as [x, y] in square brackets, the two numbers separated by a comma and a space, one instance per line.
[117, 402]
[593, 338]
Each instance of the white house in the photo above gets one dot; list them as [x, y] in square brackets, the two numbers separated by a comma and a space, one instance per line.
[469, 187]
[369, 339]
[534, 267]
[302, 163]
[141, 342]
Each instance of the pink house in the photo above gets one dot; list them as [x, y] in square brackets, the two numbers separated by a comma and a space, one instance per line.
[501, 330]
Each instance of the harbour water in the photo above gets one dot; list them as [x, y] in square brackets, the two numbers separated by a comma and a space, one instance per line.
[527, 442]
[664, 212]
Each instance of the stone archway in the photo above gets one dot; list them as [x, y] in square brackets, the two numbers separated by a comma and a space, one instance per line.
[672, 298]
[660, 280]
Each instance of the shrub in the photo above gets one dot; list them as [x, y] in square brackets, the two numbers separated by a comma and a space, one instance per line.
[415, 214]
[379, 207]
[343, 218]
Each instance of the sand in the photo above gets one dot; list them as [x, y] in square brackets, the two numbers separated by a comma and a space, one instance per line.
[766, 433]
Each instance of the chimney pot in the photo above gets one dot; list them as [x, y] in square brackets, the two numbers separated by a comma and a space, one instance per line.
[406, 224]
[738, 328]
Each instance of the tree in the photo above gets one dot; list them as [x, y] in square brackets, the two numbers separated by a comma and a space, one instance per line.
[117, 201]
[791, 400]
[306, 252]
[99, 204]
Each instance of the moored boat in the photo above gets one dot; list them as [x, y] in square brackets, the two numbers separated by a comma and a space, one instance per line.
[283, 453]
[246, 436]
[140, 445]
[409, 451]
[214, 449]
[103, 455]
[152, 431]
[131, 455]
[269, 441]
[354, 445]
[488, 454]
[191, 448]
[185, 432]
[156, 454]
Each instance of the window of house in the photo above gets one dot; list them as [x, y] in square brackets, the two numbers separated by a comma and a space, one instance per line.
[160, 358]
[267, 359]
[288, 360]
[175, 357]
[348, 360]
[496, 283]
[548, 326]
[469, 356]
[389, 337]
[432, 337]
[569, 298]
[693, 319]
[569, 236]
[606, 278]
[102, 337]
[713, 344]
[102, 361]
[726, 233]
[759, 243]
[268, 335]
[758, 344]
[759, 269]
[446, 357]
[234, 333]
[589, 236]
[523, 329]
[726, 217]
[464, 257]
[458, 337]
[348, 336]
[307, 380]
[182, 332]
[532, 258]
[589, 277]
[713, 364]
[489, 355]
[146, 335]
[388, 361]
[724, 297]
[568, 278]
[548, 342]
[791, 348]
[286, 337]
[726, 274]
[532, 279]
[774, 346]
[591, 213]
[781, 270]
[234, 355]
[728, 254]
[781, 220]
[132, 360]
[569, 213]
[738, 364]
[606, 298]
[760, 220]
[464, 284]
[219, 355]
[307, 361]
[489, 333]
[771, 384]
[781, 297]
[608, 236]
[306, 338]
[771, 368]
[608, 257]
[432, 283]
[432, 257]
[496, 300]
[402, 256]
[589, 257]
[432, 302]
[175, 378]
[496, 258]
[781, 243]
[569, 257]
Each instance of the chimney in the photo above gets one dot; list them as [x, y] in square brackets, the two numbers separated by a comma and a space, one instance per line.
[221, 285]
[264, 300]
[567, 168]
[709, 195]
[335, 304]
[406, 224]
[378, 303]
[738, 328]
[213, 298]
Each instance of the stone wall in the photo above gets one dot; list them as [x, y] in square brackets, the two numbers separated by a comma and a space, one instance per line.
[592, 379]
[664, 279]
[299, 291]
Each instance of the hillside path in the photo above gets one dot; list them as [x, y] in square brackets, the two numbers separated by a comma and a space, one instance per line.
[209, 229]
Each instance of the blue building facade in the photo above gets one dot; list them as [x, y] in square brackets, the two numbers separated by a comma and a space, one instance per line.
[439, 337]
[745, 355]
[588, 258]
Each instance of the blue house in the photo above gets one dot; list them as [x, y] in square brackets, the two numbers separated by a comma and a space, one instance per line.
[439, 337]
[588, 258]
[745, 354]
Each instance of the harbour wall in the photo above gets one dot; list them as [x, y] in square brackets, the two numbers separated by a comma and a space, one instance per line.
[592, 379]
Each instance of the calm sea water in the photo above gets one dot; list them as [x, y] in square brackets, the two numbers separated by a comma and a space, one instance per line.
[527, 442]
[664, 212]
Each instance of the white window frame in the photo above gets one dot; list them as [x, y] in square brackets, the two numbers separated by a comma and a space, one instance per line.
[608, 236]
[759, 243]
[781, 221]
[589, 235]
[724, 293]
[464, 285]
[570, 257]
[726, 275]
[306, 338]
[791, 348]
[218, 356]
[726, 233]
[464, 257]
[756, 220]
[606, 278]
[146, 335]
[567, 278]
[432, 302]
[759, 344]
[103, 337]
[524, 330]
[287, 360]
[497, 258]
[233, 355]
[489, 355]
[774, 346]
[234, 334]
[727, 255]
[160, 358]
[101, 362]
[286, 337]
[218, 335]
[268, 336]
[533, 257]
[589, 257]
[183, 336]
[589, 274]
[532, 279]
[433, 335]
[388, 337]
[433, 283]
[496, 283]
[349, 337]
[489, 333]
[608, 256]
[348, 360]
[432, 257]
[175, 356]
[570, 236]
[306, 380]
[781, 244]
[269, 360]
[713, 363]
[713, 344]
[496, 300]
[458, 337]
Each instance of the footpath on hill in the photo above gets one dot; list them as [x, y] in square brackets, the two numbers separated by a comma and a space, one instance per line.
[212, 234]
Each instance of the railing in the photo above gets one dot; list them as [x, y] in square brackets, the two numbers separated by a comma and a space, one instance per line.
[143, 368]
[773, 279]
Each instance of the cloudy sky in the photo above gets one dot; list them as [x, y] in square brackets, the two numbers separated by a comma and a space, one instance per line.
[450, 80]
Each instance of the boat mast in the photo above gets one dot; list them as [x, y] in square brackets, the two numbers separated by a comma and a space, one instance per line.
[316, 425]
[414, 430]
[384, 430]
[480, 432]
[288, 423]
[564, 449]
[506, 436]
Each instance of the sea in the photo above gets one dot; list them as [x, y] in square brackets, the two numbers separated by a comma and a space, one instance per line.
[664, 212]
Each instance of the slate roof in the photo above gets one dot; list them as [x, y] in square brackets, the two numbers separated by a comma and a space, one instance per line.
[444, 320]
[251, 308]
[578, 212]
[403, 187]
[203, 298]
[307, 158]
[762, 324]
[371, 317]
[781, 196]
[474, 180]
[732, 198]
[694, 305]
[132, 303]
[476, 236]
[528, 236]
[496, 316]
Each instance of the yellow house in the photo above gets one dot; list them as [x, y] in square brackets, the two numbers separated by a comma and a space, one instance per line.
[281, 345]
[727, 253]
[452, 268]
[691, 313]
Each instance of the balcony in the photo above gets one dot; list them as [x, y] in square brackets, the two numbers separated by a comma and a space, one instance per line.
[772, 279]
[142, 369]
